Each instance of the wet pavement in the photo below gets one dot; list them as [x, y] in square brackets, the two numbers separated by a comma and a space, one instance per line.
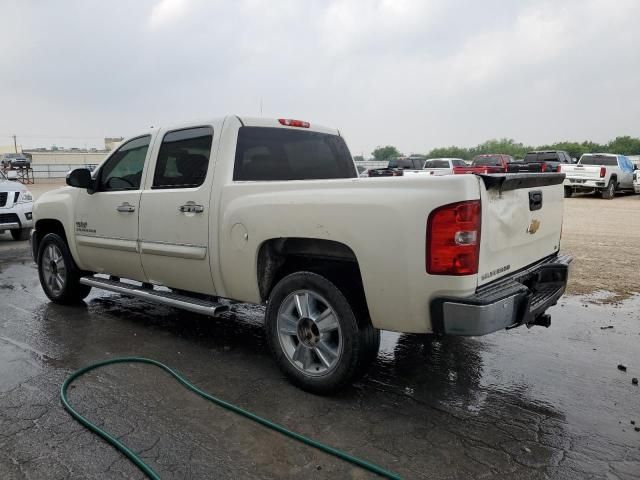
[531, 404]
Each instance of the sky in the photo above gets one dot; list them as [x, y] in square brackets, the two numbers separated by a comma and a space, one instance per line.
[414, 74]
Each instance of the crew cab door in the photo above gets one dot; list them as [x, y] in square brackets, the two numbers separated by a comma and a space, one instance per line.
[175, 211]
[106, 221]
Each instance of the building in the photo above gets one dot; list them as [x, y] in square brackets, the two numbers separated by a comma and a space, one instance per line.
[10, 148]
[111, 143]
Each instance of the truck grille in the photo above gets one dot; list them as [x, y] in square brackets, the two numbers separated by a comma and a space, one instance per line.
[3, 199]
[9, 218]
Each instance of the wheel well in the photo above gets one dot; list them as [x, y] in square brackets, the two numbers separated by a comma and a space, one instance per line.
[280, 257]
[48, 225]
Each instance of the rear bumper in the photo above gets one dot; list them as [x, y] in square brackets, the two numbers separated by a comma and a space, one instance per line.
[584, 183]
[520, 299]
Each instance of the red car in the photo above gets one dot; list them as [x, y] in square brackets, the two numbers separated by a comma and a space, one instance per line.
[487, 163]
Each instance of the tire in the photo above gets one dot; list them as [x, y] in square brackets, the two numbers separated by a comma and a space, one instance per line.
[609, 192]
[568, 192]
[59, 275]
[317, 339]
[21, 234]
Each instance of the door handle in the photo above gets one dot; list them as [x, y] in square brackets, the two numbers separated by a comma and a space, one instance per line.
[191, 207]
[126, 208]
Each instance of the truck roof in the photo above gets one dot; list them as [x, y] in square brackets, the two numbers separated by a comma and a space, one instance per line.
[246, 121]
[275, 123]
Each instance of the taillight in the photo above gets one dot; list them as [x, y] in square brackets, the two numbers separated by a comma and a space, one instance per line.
[294, 123]
[453, 239]
[603, 172]
[544, 168]
[559, 169]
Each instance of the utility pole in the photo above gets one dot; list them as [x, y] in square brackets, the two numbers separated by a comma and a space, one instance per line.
[15, 145]
[261, 106]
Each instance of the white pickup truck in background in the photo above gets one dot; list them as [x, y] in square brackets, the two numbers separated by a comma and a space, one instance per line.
[603, 172]
[272, 212]
[443, 166]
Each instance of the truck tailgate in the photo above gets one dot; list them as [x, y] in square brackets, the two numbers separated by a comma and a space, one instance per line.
[580, 171]
[521, 221]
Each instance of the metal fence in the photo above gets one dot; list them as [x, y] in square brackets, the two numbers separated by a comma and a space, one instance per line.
[56, 170]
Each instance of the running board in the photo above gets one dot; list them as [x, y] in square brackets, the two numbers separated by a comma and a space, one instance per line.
[171, 299]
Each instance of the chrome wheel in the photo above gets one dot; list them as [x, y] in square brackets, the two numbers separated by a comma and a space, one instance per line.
[309, 333]
[53, 269]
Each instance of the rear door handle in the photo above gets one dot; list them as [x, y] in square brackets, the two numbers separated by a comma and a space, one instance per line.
[126, 208]
[191, 207]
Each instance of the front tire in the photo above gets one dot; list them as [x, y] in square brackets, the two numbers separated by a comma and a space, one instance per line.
[21, 234]
[59, 275]
[609, 192]
[568, 192]
[317, 338]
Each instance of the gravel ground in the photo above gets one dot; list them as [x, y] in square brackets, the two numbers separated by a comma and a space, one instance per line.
[604, 238]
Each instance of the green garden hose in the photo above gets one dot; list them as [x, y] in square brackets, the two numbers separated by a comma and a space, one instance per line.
[262, 421]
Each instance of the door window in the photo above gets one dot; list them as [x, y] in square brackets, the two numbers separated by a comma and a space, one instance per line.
[123, 170]
[183, 159]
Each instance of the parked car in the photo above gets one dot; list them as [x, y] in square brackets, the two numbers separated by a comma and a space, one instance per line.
[636, 180]
[14, 160]
[385, 172]
[407, 163]
[443, 166]
[603, 172]
[16, 207]
[541, 161]
[272, 212]
[486, 163]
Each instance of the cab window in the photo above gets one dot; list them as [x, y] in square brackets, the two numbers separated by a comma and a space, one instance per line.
[183, 159]
[123, 170]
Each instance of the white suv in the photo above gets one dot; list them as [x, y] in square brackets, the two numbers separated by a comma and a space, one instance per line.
[16, 206]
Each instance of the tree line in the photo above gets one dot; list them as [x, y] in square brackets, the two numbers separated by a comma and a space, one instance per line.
[624, 145]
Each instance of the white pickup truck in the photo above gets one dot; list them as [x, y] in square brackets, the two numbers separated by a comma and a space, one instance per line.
[443, 166]
[273, 212]
[604, 172]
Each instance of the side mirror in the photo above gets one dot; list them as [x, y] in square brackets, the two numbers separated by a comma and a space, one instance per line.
[635, 167]
[79, 178]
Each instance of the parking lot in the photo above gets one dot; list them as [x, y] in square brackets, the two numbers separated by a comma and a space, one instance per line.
[531, 404]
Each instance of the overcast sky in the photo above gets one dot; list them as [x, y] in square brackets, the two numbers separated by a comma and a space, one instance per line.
[415, 74]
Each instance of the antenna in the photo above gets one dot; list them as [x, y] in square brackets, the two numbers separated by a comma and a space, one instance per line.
[260, 106]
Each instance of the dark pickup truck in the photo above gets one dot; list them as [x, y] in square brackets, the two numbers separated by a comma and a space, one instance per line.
[487, 163]
[541, 161]
[14, 160]
[398, 165]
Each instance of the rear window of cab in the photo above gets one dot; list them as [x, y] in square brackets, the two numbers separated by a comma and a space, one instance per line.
[264, 154]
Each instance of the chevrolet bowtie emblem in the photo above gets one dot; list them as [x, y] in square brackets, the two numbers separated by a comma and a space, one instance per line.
[533, 226]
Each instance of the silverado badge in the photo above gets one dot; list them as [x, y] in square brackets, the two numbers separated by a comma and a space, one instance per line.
[533, 226]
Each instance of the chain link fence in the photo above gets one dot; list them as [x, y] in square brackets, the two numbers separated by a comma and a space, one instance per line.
[54, 170]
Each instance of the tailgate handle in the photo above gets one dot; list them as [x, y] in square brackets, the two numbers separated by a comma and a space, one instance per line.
[535, 200]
